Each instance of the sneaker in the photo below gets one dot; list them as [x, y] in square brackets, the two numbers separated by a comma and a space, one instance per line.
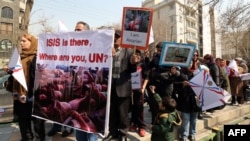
[133, 128]
[142, 132]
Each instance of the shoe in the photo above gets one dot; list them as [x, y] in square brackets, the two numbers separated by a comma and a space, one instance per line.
[210, 110]
[123, 138]
[191, 138]
[141, 132]
[65, 133]
[200, 116]
[110, 137]
[133, 128]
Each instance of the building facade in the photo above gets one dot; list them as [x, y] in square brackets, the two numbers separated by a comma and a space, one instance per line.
[184, 21]
[11, 12]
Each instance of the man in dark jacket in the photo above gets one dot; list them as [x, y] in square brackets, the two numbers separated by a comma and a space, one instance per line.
[124, 63]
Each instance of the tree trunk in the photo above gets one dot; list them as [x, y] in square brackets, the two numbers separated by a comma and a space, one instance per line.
[26, 18]
[212, 31]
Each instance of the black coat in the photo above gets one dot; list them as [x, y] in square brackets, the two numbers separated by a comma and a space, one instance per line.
[186, 96]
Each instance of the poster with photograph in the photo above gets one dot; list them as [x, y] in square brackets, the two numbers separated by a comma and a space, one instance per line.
[72, 79]
[177, 54]
[136, 25]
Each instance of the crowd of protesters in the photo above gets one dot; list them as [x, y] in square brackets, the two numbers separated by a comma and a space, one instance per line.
[166, 89]
[173, 82]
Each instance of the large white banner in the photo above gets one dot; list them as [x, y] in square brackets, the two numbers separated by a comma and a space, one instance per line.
[72, 79]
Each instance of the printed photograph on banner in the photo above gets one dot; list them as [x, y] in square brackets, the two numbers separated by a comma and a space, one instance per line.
[73, 78]
[136, 25]
[176, 54]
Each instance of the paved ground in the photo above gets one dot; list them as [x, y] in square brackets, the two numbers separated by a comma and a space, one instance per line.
[10, 131]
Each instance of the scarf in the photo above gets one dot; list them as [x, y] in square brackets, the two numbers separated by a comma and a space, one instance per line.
[26, 59]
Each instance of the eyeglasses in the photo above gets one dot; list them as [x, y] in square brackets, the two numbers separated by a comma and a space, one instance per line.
[78, 30]
[196, 55]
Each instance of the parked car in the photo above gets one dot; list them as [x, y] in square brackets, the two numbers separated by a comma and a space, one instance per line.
[6, 101]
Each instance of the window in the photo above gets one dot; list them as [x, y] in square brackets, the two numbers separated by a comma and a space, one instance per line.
[7, 13]
[6, 28]
[180, 19]
[5, 44]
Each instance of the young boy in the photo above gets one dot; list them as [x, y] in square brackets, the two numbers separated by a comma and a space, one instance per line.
[166, 119]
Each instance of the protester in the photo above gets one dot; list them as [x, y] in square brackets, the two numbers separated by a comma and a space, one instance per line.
[124, 63]
[186, 103]
[224, 79]
[81, 135]
[236, 84]
[166, 119]
[213, 68]
[137, 114]
[214, 72]
[154, 79]
[23, 99]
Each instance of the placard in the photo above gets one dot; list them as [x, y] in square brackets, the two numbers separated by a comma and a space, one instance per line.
[136, 27]
[176, 54]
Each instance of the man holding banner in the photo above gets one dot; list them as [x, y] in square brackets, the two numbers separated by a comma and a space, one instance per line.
[124, 63]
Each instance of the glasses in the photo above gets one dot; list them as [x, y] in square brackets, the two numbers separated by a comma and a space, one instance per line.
[78, 30]
[196, 55]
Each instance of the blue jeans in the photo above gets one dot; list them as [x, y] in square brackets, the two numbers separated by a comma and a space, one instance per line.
[188, 126]
[84, 136]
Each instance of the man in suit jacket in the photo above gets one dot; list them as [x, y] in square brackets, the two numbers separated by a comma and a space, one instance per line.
[124, 63]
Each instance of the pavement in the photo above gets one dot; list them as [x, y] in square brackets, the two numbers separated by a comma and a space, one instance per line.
[10, 131]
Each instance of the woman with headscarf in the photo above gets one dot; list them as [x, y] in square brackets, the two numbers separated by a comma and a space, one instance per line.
[22, 97]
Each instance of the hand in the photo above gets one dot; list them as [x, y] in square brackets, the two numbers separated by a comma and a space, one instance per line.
[142, 90]
[152, 88]
[113, 51]
[185, 83]
[146, 53]
[7, 69]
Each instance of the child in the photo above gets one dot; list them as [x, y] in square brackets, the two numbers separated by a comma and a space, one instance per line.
[166, 119]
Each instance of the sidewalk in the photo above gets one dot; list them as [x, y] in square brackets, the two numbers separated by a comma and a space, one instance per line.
[10, 131]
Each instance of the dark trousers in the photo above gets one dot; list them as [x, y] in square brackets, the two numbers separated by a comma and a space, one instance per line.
[239, 99]
[24, 111]
[153, 105]
[137, 115]
[39, 128]
[119, 117]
